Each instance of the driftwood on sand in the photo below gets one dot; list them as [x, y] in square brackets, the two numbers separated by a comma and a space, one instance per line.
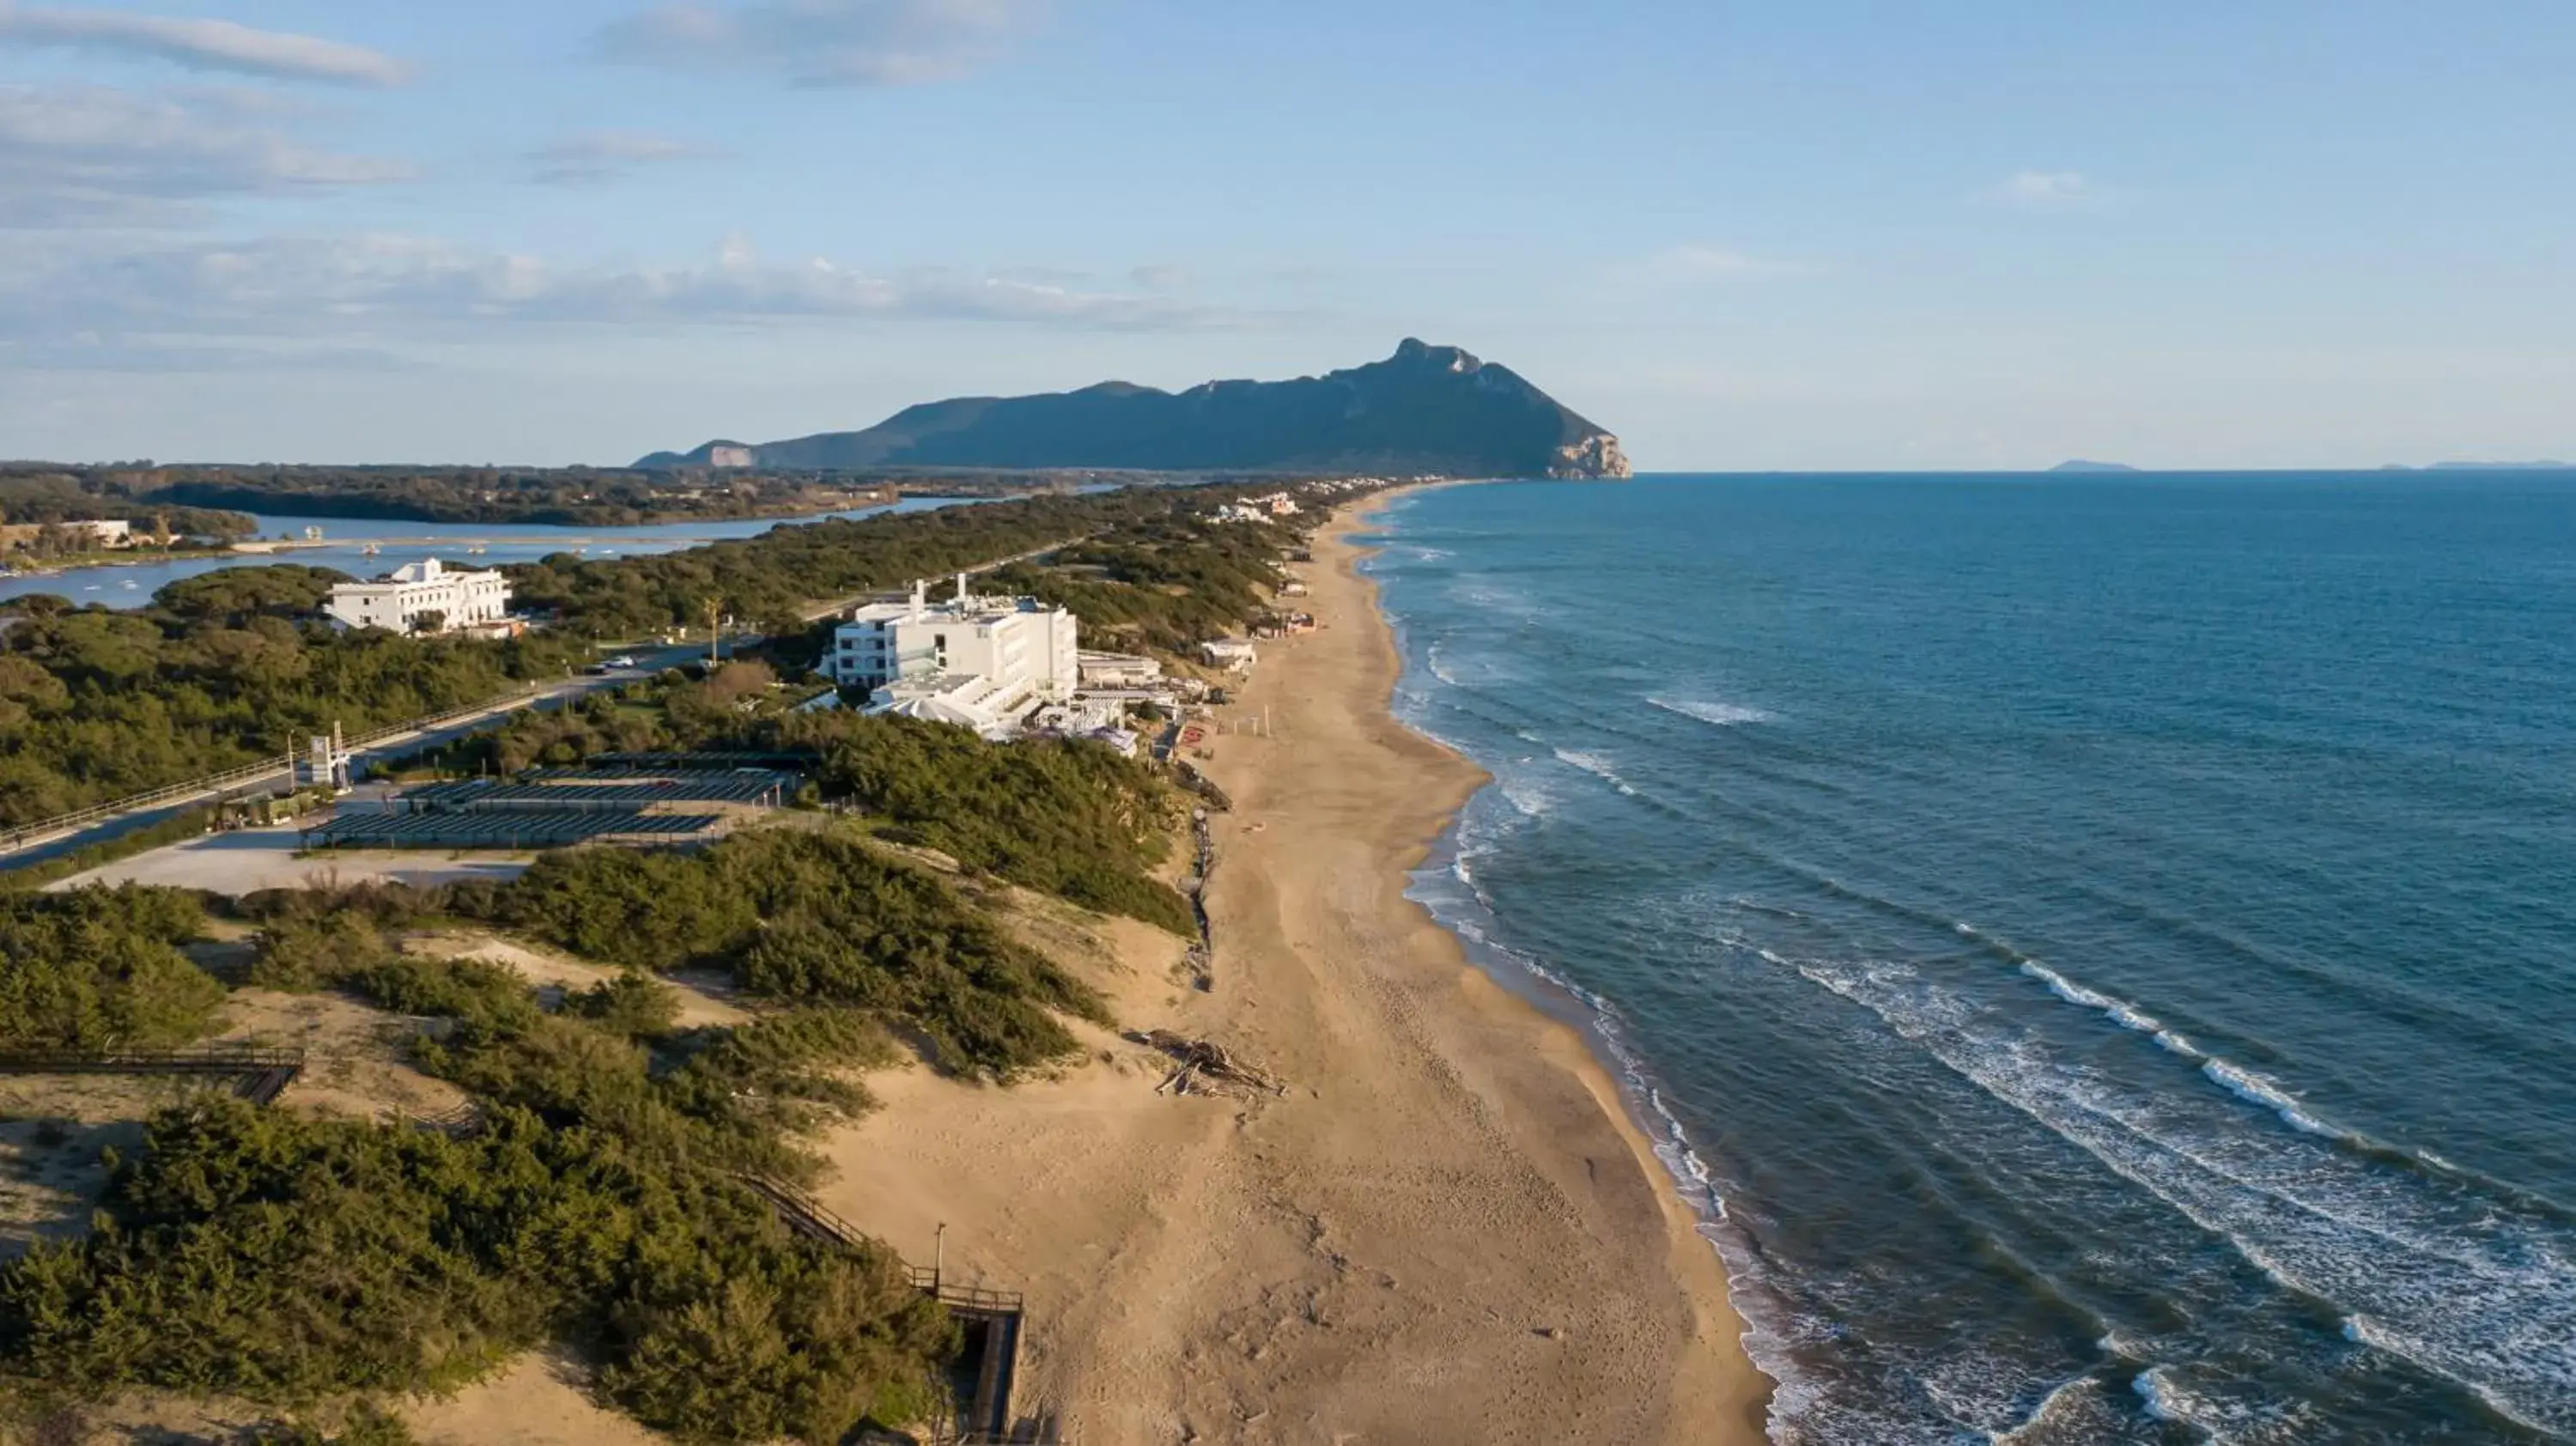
[1206, 1068]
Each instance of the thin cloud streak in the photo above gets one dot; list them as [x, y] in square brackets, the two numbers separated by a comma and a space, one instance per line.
[384, 289]
[93, 156]
[825, 42]
[2046, 190]
[217, 45]
[597, 158]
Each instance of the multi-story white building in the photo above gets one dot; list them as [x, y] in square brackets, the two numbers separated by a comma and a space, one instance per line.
[401, 600]
[976, 661]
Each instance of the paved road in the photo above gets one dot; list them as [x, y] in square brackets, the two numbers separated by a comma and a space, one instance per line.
[19, 850]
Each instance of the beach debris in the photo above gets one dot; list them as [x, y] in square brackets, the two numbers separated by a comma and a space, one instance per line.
[1206, 1068]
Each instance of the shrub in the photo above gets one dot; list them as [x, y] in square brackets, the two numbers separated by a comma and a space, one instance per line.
[1065, 816]
[812, 918]
[99, 968]
[632, 1006]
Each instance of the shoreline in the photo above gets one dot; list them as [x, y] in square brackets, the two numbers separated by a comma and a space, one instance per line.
[1610, 1072]
[1450, 1229]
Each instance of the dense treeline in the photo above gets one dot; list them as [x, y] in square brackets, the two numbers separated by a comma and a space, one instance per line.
[577, 498]
[1164, 584]
[766, 579]
[42, 496]
[807, 918]
[96, 705]
[725, 708]
[101, 969]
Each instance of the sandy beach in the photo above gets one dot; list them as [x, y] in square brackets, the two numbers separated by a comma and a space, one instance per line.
[1446, 1231]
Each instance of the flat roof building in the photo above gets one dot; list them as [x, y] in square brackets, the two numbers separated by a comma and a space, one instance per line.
[980, 662]
[406, 599]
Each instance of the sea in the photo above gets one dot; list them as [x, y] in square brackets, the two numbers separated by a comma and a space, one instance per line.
[2099, 952]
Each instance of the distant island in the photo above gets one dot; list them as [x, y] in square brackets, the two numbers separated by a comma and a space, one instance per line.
[2080, 465]
[1427, 410]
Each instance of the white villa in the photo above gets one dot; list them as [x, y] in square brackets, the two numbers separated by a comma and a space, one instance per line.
[401, 598]
[978, 662]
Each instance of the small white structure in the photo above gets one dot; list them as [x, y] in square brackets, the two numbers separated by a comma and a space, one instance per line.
[1118, 670]
[979, 662]
[728, 456]
[401, 598]
[1235, 655]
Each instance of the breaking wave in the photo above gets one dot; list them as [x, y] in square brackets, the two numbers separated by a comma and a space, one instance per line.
[1722, 715]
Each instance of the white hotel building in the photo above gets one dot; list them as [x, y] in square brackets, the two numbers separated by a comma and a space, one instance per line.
[978, 662]
[398, 600]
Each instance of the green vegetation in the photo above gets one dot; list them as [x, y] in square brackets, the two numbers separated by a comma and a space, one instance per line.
[1068, 817]
[767, 579]
[47, 497]
[297, 1262]
[1159, 585]
[97, 705]
[289, 1260]
[574, 496]
[1063, 816]
[231, 667]
[100, 969]
[807, 918]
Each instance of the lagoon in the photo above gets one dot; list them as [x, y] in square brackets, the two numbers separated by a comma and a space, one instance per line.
[131, 585]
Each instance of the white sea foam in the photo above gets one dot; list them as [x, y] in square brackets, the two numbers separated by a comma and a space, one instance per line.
[2454, 1279]
[1723, 715]
[2060, 1410]
[2245, 1084]
[1596, 765]
[2155, 1389]
[2119, 1011]
[2263, 1090]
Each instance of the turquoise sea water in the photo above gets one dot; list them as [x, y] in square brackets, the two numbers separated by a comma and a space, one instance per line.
[2102, 952]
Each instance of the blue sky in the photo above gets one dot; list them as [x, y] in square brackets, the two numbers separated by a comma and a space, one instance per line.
[1830, 234]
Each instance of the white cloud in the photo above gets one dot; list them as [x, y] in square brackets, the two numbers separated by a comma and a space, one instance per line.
[2046, 190]
[390, 289]
[1696, 262]
[826, 42]
[202, 45]
[598, 157]
[95, 156]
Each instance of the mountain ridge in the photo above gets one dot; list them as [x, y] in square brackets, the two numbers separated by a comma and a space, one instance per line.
[1426, 410]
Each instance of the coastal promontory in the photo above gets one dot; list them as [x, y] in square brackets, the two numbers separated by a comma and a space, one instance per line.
[1427, 410]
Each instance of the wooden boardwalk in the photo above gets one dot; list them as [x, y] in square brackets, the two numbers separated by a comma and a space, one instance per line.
[260, 1074]
[992, 1320]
